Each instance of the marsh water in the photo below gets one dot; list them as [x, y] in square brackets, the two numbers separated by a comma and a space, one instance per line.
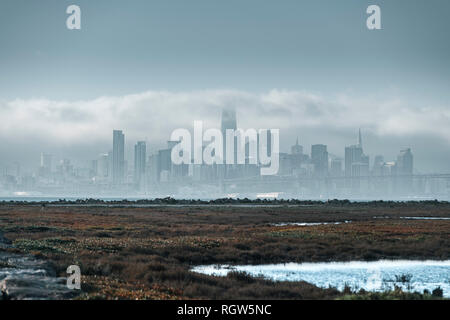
[29, 278]
[371, 276]
[307, 224]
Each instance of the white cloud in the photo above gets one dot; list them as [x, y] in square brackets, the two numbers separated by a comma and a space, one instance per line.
[155, 114]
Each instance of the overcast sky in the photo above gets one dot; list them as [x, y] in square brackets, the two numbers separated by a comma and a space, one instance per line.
[310, 68]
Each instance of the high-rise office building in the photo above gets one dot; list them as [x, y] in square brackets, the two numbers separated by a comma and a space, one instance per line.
[404, 171]
[268, 136]
[103, 166]
[285, 164]
[46, 161]
[110, 166]
[353, 154]
[153, 169]
[336, 167]
[356, 162]
[94, 168]
[165, 169]
[319, 158]
[45, 168]
[140, 156]
[164, 165]
[298, 158]
[228, 123]
[405, 162]
[378, 164]
[118, 163]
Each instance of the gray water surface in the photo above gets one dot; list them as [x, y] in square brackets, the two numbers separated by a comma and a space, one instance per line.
[24, 277]
[307, 224]
[371, 276]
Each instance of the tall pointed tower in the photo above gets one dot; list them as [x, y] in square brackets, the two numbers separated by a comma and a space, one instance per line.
[296, 149]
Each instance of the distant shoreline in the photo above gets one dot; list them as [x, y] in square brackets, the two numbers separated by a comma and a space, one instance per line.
[218, 202]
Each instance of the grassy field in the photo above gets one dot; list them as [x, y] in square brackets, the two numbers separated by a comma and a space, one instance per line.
[146, 253]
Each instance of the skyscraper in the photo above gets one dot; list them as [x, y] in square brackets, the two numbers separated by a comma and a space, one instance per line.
[94, 168]
[319, 158]
[405, 162]
[103, 165]
[378, 164]
[118, 157]
[45, 168]
[353, 154]
[228, 123]
[296, 149]
[140, 155]
[110, 166]
[268, 140]
[356, 162]
[404, 170]
[336, 167]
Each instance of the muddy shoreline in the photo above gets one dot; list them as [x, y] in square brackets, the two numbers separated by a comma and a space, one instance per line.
[168, 201]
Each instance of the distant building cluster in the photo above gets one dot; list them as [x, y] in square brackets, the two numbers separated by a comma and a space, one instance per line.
[300, 175]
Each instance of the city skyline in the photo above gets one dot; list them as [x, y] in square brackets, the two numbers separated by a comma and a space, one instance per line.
[140, 147]
[79, 130]
[312, 69]
[47, 156]
[302, 172]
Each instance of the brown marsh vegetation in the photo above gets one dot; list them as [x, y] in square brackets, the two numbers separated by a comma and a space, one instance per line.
[146, 252]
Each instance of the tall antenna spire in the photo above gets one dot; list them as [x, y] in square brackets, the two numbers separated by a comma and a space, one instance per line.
[360, 139]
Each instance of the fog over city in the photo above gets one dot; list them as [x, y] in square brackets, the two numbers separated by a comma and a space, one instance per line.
[81, 130]
[353, 105]
[330, 147]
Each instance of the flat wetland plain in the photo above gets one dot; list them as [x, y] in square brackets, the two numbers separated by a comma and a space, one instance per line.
[129, 252]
